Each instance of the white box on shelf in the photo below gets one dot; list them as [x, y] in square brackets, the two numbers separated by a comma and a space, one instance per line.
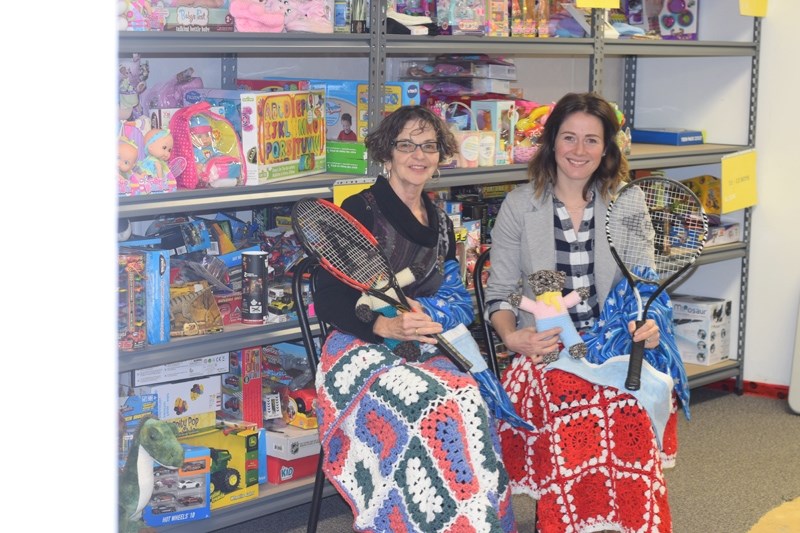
[702, 328]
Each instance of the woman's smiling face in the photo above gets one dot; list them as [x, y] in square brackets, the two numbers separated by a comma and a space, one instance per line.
[415, 167]
[579, 147]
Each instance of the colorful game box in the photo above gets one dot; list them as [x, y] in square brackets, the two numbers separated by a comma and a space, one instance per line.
[241, 387]
[132, 308]
[283, 135]
[156, 275]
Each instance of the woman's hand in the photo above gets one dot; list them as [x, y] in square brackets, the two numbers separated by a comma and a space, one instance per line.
[532, 343]
[411, 326]
[649, 333]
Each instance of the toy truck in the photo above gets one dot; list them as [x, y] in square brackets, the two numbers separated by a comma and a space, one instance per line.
[223, 478]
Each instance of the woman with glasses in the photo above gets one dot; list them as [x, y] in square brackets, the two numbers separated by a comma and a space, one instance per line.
[408, 441]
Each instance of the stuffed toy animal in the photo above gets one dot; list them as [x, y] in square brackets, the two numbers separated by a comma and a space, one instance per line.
[133, 76]
[366, 305]
[154, 440]
[315, 16]
[550, 309]
[258, 15]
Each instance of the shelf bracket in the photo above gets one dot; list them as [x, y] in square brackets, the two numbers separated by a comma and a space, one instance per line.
[229, 71]
[377, 71]
[598, 51]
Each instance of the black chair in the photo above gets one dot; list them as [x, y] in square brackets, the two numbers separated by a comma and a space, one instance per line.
[488, 331]
[307, 270]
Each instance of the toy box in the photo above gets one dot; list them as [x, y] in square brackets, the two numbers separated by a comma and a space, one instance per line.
[225, 102]
[702, 328]
[206, 366]
[230, 306]
[286, 367]
[709, 191]
[198, 18]
[195, 310]
[181, 495]
[241, 387]
[500, 117]
[132, 308]
[159, 118]
[190, 405]
[283, 135]
[678, 20]
[292, 453]
[274, 84]
[671, 136]
[156, 272]
[723, 233]
[234, 463]
[131, 410]
[351, 98]
[182, 237]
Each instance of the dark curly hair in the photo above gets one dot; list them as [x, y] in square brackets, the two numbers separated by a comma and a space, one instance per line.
[379, 141]
[613, 168]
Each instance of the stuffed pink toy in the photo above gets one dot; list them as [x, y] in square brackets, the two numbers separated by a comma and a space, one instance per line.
[258, 15]
[314, 16]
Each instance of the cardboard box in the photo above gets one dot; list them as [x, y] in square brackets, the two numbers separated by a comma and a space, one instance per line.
[709, 191]
[671, 136]
[241, 387]
[230, 305]
[209, 365]
[724, 233]
[234, 463]
[500, 117]
[181, 495]
[157, 312]
[186, 398]
[292, 443]
[280, 470]
[131, 411]
[196, 18]
[286, 136]
[132, 309]
[702, 328]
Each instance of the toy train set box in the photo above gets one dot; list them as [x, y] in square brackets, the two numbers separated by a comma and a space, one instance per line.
[181, 495]
[702, 328]
[283, 135]
[234, 463]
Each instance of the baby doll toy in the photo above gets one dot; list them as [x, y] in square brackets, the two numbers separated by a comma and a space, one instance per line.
[550, 309]
[214, 167]
[258, 15]
[156, 173]
[127, 157]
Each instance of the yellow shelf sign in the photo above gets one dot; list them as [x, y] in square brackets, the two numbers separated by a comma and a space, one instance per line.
[753, 8]
[348, 187]
[602, 4]
[739, 181]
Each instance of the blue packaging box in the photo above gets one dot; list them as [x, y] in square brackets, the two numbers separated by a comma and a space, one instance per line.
[156, 265]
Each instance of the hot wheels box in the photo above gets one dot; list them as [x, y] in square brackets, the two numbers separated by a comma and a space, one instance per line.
[283, 135]
[702, 328]
[234, 463]
[132, 312]
[181, 495]
[156, 272]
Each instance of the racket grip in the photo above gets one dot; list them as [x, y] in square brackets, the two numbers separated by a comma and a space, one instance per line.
[450, 351]
[634, 379]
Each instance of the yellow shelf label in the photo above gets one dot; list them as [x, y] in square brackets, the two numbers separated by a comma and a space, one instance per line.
[753, 8]
[739, 181]
[602, 4]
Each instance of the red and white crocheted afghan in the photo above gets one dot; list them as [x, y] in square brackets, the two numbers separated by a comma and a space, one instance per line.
[593, 464]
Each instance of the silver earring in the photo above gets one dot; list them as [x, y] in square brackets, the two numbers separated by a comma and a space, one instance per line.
[438, 175]
[387, 172]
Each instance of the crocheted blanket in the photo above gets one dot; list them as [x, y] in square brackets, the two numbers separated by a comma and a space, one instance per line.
[410, 446]
[593, 462]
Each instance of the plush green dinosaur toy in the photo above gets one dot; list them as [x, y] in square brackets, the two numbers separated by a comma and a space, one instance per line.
[154, 440]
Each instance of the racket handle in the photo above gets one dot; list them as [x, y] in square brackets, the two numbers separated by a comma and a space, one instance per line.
[450, 351]
[634, 379]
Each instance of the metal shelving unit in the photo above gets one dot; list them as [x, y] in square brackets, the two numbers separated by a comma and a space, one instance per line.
[377, 46]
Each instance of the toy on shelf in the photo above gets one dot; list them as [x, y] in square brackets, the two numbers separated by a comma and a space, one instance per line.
[314, 16]
[170, 94]
[551, 309]
[208, 140]
[258, 15]
[133, 76]
[127, 157]
[529, 127]
[157, 173]
[155, 441]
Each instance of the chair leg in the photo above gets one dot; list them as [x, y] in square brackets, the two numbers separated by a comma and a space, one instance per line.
[316, 498]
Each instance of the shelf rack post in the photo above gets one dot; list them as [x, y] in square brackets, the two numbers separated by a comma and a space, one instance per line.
[377, 70]
[598, 51]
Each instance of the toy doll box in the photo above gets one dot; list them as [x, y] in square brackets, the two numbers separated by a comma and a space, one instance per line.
[199, 18]
[702, 328]
[234, 463]
[283, 135]
[181, 495]
[499, 116]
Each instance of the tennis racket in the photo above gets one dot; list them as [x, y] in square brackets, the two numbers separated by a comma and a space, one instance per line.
[656, 229]
[351, 254]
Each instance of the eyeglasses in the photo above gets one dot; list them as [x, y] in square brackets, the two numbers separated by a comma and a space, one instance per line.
[430, 147]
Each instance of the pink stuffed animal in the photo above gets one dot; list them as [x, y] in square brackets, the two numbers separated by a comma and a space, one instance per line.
[258, 15]
[314, 16]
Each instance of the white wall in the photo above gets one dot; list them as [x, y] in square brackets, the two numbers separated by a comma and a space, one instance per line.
[774, 289]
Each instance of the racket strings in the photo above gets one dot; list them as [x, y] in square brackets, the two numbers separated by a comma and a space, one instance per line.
[339, 243]
[658, 225]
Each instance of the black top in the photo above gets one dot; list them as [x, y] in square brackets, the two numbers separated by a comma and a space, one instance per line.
[405, 241]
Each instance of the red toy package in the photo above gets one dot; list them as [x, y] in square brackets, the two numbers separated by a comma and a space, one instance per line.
[210, 141]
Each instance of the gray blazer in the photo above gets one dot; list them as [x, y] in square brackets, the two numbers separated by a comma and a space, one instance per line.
[523, 241]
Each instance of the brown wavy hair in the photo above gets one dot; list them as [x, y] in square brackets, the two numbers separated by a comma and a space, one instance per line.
[613, 169]
[379, 141]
